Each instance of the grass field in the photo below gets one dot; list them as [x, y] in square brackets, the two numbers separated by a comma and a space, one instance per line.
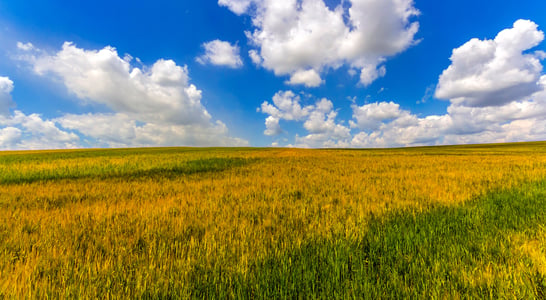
[441, 222]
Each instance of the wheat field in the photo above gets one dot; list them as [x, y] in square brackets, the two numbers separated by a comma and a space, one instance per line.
[440, 222]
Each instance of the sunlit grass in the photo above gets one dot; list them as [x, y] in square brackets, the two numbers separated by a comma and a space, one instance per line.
[492, 246]
[273, 222]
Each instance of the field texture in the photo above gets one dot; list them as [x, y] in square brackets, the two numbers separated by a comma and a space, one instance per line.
[465, 221]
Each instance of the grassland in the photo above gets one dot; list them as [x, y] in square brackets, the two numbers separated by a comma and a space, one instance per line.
[458, 221]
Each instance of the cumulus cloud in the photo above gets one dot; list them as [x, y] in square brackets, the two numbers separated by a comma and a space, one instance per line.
[120, 130]
[380, 124]
[487, 108]
[494, 72]
[221, 53]
[9, 137]
[237, 6]
[286, 105]
[319, 119]
[371, 116]
[370, 73]
[114, 130]
[521, 120]
[294, 36]
[309, 78]
[384, 124]
[323, 129]
[151, 105]
[458, 126]
[157, 93]
[6, 86]
[22, 131]
[272, 126]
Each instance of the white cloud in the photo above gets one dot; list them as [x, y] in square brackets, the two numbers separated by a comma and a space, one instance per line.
[286, 105]
[295, 36]
[309, 78]
[370, 73]
[9, 137]
[371, 116]
[497, 94]
[151, 106]
[25, 46]
[120, 130]
[323, 129]
[6, 86]
[255, 57]
[512, 122]
[114, 130]
[32, 132]
[159, 93]
[237, 6]
[494, 72]
[319, 120]
[320, 140]
[272, 126]
[385, 124]
[221, 53]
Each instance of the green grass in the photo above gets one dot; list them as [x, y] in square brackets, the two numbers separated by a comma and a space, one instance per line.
[437, 254]
[129, 171]
[220, 223]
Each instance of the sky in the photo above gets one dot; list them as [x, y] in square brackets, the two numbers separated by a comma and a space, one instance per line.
[290, 73]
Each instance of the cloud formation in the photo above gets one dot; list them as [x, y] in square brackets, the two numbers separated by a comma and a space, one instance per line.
[120, 130]
[323, 129]
[20, 131]
[303, 38]
[6, 86]
[25, 46]
[149, 106]
[494, 72]
[272, 126]
[221, 53]
[500, 97]
[309, 78]
[371, 116]
[160, 93]
[286, 105]
[239, 7]
[319, 119]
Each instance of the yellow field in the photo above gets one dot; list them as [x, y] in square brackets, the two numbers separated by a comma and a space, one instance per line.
[136, 222]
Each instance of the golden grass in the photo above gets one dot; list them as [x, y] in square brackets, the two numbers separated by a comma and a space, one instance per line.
[71, 227]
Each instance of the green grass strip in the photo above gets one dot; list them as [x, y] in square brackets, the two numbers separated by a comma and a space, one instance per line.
[443, 253]
[129, 172]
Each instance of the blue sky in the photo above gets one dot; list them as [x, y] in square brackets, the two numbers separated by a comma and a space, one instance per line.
[304, 73]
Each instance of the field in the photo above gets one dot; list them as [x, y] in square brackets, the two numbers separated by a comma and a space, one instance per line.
[441, 222]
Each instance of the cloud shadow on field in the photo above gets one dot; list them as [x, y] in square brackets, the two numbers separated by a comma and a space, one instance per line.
[208, 165]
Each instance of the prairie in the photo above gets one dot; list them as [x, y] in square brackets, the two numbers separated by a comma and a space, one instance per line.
[451, 221]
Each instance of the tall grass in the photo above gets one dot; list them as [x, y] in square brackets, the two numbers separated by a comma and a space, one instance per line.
[484, 249]
[261, 223]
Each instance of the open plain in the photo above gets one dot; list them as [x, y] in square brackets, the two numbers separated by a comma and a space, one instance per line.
[453, 221]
